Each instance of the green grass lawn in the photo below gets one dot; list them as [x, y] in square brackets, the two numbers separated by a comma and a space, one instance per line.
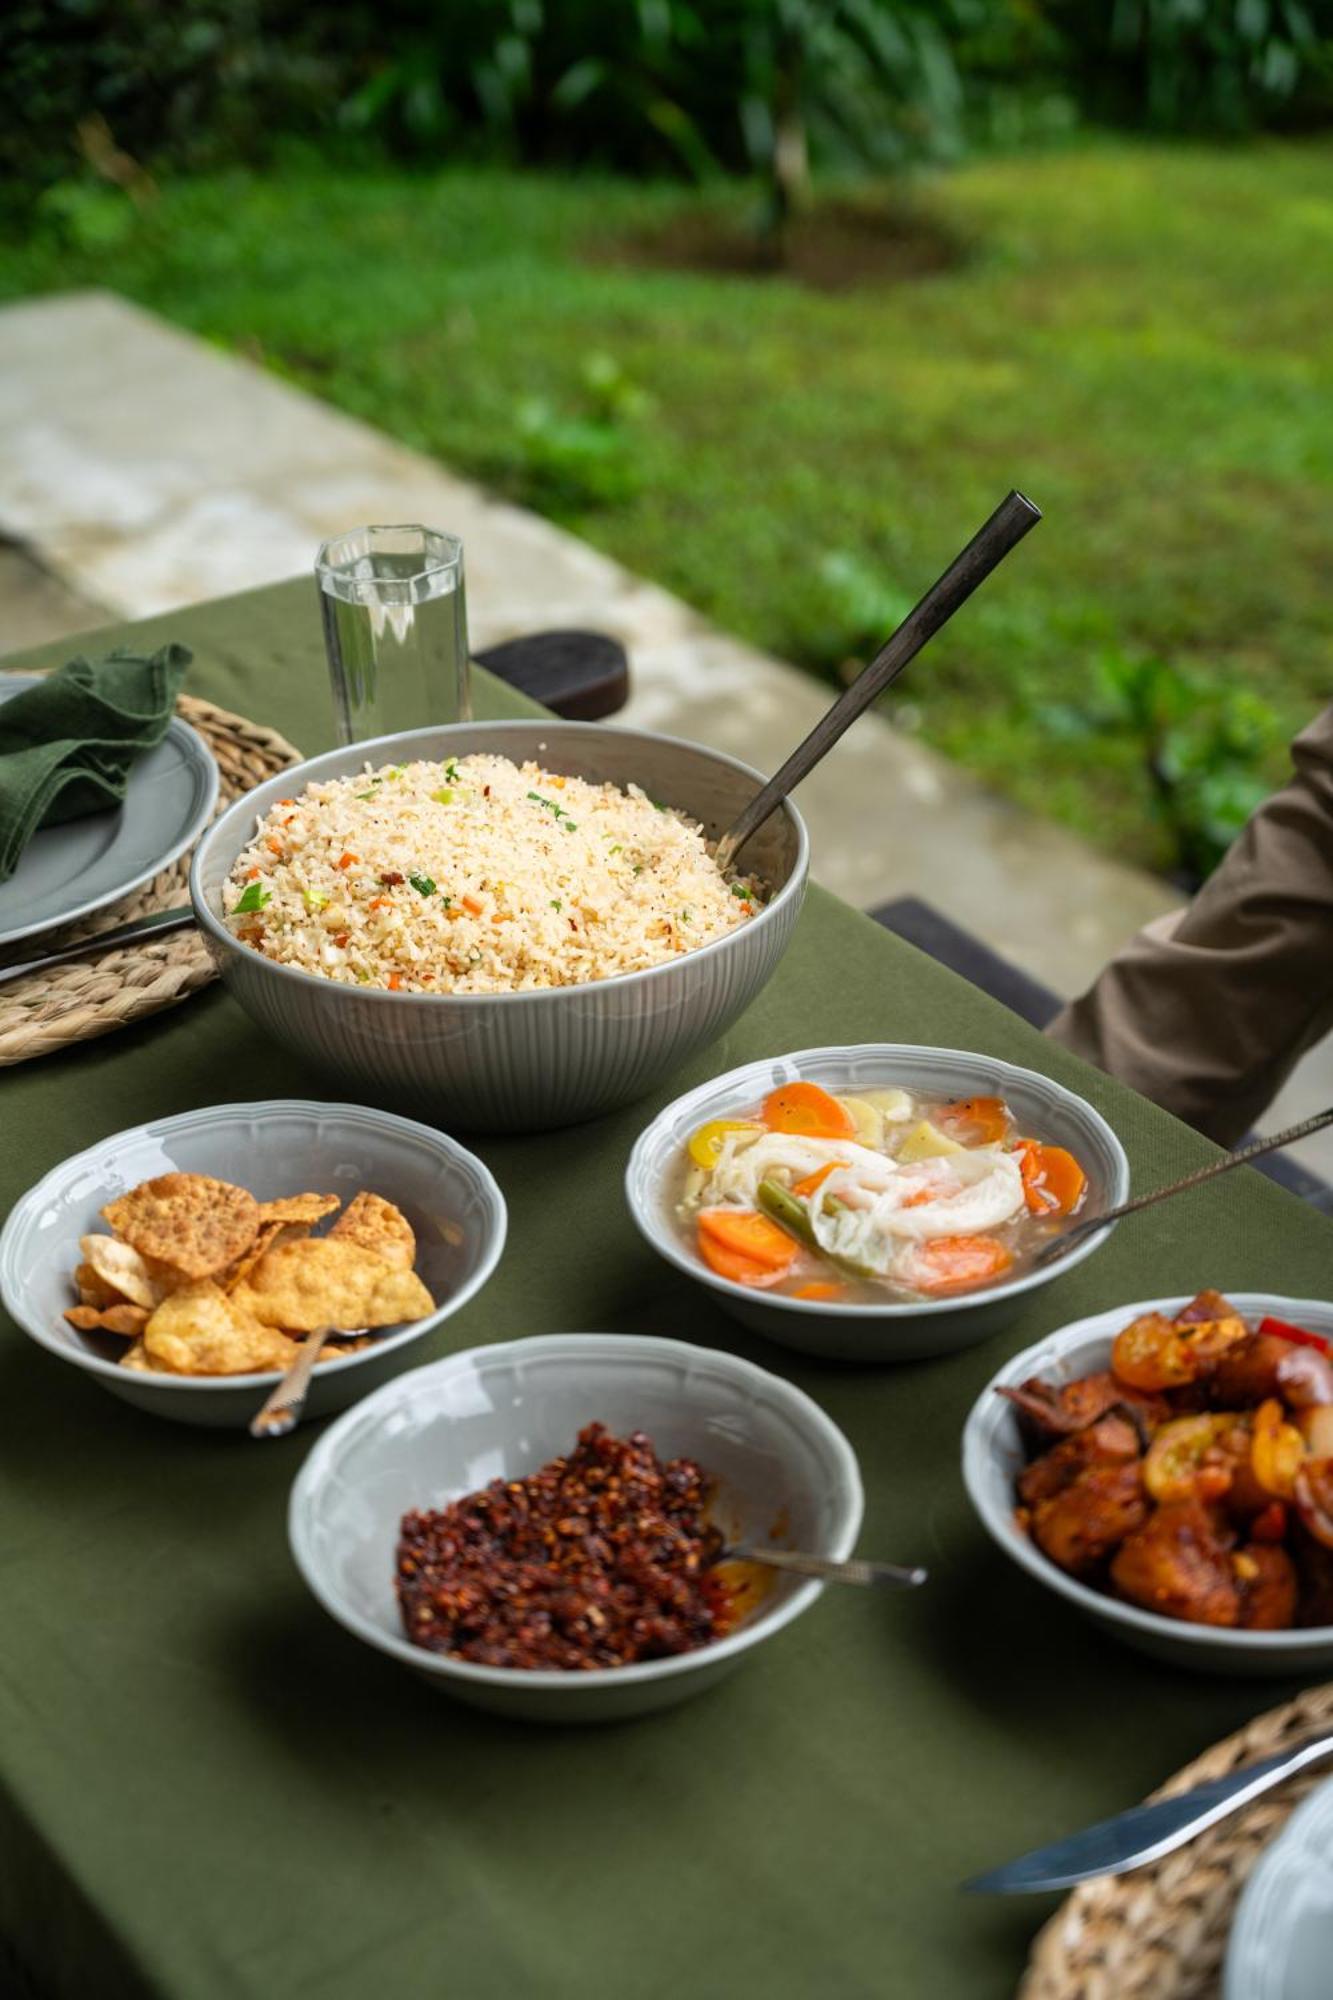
[1140, 337]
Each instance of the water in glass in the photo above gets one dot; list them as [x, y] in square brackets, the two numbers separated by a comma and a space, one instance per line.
[395, 629]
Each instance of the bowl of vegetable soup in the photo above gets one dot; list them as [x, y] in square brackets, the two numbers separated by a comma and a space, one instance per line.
[875, 1203]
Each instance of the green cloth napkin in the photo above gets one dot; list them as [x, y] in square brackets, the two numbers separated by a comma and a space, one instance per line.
[66, 747]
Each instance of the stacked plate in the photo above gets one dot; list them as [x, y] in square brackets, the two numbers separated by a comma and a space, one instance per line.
[1282, 1941]
[71, 871]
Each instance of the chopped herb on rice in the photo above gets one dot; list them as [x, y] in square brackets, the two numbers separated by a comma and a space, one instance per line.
[354, 895]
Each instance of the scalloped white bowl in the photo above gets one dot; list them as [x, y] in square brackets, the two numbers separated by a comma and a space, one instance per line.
[908, 1330]
[994, 1455]
[447, 1429]
[277, 1147]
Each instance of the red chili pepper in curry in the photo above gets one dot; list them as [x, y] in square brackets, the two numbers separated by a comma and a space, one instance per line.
[1299, 1336]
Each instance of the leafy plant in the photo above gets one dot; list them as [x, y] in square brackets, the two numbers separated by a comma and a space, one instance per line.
[1198, 65]
[861, 608]
[858, 82]
[573, 458]
[692, 87]
[586, 79]
[761, 86]
[194, 82]
[86, 215]
[1203, 744]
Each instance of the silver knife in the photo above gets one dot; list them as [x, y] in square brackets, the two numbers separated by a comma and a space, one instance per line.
[1145, 1833]
[155, 925]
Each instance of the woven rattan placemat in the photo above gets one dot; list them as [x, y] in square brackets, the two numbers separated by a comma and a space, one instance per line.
[1161, 1932]
[73, 1003]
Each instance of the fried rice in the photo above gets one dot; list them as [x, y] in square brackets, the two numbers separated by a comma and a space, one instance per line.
[478, 875]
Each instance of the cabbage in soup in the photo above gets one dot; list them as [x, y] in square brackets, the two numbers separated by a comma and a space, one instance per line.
[849, 1199]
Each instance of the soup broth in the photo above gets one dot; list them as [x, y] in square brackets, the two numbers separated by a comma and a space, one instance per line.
[887, 1193]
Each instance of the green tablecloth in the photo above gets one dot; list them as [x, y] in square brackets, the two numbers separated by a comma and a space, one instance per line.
[215, 1794]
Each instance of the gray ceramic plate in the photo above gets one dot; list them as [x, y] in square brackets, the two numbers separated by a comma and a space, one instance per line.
[69, 871]
[1282, 1942]
[273, 1148]
[993, 1456]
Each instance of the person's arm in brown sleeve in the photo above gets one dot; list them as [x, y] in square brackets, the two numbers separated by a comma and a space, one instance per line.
[1206, 1013]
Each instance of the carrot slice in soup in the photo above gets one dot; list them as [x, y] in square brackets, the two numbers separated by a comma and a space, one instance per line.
[809, 1112]
[739, 1269]
[819, 1290]
[745, 1233]
[813, 1182]
[974, 1121]
[955, 1263]
[1053, 1180]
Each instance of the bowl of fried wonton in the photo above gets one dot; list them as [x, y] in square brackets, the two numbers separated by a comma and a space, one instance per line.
[182, 1263]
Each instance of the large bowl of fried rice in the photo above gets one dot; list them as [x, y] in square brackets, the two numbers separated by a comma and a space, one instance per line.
[515, 924]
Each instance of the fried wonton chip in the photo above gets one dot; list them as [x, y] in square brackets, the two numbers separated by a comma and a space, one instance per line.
[123, 1319]
[270, 1235]
[185, 1226]
[120, 1267]
[136, 1356]
[195, 1224]
[200, 1331]
[329, 1281]
[94, 1291]
[377, 1225]
[166, 1276]
[309, 1208]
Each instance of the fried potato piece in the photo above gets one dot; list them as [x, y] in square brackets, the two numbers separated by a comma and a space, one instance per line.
[1112, 1440]
[377, 1225]
[1269, 1587]
[1206, 1306]
[195, 1224]
[329, 1281]
[1080, 1525]
[200, 1331]
[120, 1267]
[124, 1319]
[1179, 1562]
[308, 1208]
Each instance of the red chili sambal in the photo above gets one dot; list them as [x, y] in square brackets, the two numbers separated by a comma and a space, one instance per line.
[596, 1560]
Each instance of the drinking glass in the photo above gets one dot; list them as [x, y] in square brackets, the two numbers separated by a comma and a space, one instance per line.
[395, 629]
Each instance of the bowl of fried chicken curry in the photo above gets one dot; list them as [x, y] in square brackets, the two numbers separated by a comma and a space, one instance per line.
[1168, 1467]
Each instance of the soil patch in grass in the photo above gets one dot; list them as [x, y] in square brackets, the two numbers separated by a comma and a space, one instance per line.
[841, 244]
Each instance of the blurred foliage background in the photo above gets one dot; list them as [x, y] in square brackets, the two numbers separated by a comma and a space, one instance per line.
[773, 299]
